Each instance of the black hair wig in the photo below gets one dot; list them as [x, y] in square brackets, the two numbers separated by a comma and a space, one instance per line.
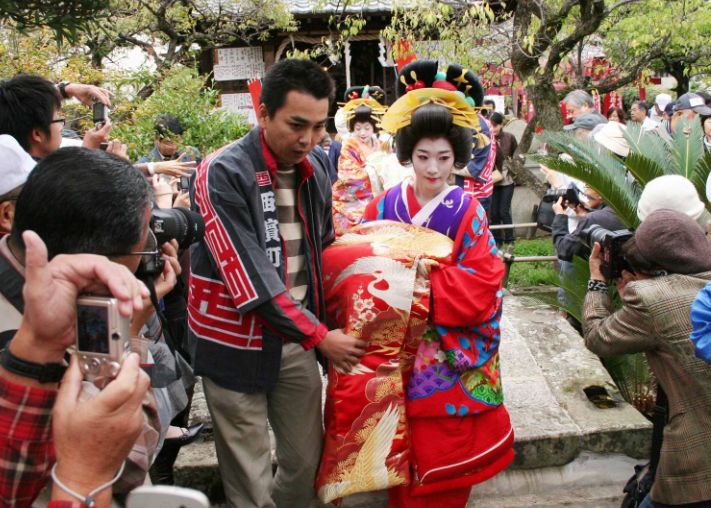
[434, 121]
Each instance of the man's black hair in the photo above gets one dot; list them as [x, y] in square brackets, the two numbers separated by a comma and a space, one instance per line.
[83, 201]
[167, 126]
[496, 118]
[642, 105]
[26, 103]
[303, 76]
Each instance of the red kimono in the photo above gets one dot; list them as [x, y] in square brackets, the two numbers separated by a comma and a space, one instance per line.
[455, 430]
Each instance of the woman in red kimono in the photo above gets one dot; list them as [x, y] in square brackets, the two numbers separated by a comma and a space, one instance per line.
[460, 431]
[353, 190]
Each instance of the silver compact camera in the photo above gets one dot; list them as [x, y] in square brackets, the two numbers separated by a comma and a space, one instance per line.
[103, 336]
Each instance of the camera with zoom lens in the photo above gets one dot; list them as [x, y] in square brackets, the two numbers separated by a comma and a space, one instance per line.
[611, 242]
[570, 195]
[180, 224]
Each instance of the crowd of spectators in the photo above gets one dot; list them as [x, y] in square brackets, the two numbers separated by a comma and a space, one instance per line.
[82, 219]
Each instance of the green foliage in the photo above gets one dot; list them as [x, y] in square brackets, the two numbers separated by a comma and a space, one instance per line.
[180, 94]
[37, 52]
[535, 273]
[597, 167]
[675, 34]
[67, 19]
[650, 157]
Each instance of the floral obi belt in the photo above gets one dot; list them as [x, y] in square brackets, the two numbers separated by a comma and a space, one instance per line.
[372, 292]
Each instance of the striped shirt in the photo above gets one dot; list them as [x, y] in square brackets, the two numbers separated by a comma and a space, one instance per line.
[292, 232]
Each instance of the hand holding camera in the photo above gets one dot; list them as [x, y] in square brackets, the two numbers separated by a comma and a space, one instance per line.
[49, 322]
[607, 262]
[108, 424]
[163, 282]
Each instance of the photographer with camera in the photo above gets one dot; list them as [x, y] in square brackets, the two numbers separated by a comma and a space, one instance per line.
[591, 210]
[671, 260]
[30, 112]
[83, 201]
[112, 421]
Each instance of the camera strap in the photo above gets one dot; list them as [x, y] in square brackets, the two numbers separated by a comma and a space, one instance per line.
[161, 376]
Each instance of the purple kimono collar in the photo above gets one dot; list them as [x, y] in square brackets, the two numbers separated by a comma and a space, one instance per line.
[443, 214]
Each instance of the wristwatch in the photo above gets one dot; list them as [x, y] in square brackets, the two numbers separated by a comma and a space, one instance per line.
[43, 372]
[62, 87]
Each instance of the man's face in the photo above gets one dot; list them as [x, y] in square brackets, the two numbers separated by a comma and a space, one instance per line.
[132, 262]
[166, 146]
[594, 198]
[44, 144]
[637, 114]
[574, 111]
[295, 128]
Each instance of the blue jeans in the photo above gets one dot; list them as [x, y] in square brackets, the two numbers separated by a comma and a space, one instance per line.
[648, 503]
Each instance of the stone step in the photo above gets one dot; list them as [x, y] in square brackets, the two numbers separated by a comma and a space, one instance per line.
[545, 369]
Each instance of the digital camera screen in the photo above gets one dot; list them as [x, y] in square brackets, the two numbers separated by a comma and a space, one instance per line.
[93, 329]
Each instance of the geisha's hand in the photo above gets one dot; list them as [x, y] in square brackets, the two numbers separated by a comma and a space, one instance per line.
[425, 266]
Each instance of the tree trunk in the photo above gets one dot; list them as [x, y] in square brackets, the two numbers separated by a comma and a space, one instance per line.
[548, 116]
[677, 69]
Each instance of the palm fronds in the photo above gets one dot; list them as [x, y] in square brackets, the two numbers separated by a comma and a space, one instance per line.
[700, 177]
[649, 157]
[600, 169]
[686, 147]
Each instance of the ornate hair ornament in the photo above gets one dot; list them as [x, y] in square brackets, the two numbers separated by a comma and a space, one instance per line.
[371, 96]
[420, 83]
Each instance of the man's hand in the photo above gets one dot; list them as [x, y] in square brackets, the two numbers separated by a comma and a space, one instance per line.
[163, 283]
[343, 350]
[174, 168]
[49, 323]
[86, 93]
[183, 199]
[579, 210]
[118, 149]
[94, 137]
[552, 177]
[596, 263]
[93, 438]
[622, 282]
[558, 207]
[162, 192]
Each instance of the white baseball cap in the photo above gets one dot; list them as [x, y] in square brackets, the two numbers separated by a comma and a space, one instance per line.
[662, 100]
[15, 164]
[671, 192]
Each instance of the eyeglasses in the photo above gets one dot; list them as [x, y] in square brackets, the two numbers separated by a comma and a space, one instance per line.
[147, 255]
[62, 120]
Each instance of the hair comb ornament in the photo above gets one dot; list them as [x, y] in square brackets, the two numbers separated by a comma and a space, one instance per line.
[457, 89]
[371, 96]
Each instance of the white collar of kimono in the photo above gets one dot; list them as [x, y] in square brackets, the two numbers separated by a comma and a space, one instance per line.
[421, 217]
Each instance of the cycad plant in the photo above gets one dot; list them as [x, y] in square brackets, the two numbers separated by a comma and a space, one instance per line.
[620, 182]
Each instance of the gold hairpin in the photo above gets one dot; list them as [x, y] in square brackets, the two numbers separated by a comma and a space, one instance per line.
[399, 115]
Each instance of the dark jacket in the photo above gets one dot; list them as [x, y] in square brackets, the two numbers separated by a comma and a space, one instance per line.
[334, 153]
[568, 244]
[156, 156]
[239, 308]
